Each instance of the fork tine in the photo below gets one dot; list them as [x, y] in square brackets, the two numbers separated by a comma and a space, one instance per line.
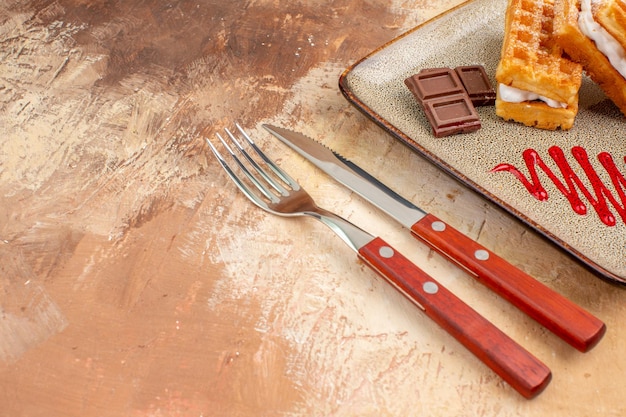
[227, 168]
[271, 181]
[267, 193]
[254, 197]
[275, 168]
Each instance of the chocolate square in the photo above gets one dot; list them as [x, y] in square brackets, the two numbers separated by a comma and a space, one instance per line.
[434, 82]
[451, 115]
[477, 84]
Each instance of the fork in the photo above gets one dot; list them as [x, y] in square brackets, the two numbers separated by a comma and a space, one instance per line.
[274, 191]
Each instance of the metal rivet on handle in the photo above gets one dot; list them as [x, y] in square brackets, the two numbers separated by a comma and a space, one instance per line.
[430, 287]
[438, 226]
[385, 252]
[481, 255]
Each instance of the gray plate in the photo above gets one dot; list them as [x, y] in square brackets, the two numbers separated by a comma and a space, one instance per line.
[472, 34]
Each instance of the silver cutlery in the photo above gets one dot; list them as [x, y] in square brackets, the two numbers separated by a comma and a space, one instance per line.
[274, 191]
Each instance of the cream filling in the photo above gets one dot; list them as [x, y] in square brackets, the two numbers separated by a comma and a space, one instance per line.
[515, 95]
[604, 41]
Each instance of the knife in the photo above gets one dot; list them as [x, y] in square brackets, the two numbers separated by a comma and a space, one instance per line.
[556, 313]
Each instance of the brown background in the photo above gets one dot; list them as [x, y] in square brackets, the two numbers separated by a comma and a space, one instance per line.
[136, 281]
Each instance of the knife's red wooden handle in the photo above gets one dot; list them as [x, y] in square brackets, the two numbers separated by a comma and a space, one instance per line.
[518, 367]
[564, 318]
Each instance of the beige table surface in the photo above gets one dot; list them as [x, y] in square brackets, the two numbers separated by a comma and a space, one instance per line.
[135, 279]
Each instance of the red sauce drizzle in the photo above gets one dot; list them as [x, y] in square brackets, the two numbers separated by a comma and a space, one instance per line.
[572, 182]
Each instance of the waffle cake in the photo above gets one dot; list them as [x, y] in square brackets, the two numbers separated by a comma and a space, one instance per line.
[574, 20]
[537, 85]
[611, 14]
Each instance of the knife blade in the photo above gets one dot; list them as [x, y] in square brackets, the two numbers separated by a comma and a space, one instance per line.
[561, 316]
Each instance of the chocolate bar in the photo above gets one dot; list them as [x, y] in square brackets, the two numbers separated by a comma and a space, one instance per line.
[477, 84]
[442, 96]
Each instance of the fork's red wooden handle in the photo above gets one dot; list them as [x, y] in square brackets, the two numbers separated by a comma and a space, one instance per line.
[564, 318]
[518, 367]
